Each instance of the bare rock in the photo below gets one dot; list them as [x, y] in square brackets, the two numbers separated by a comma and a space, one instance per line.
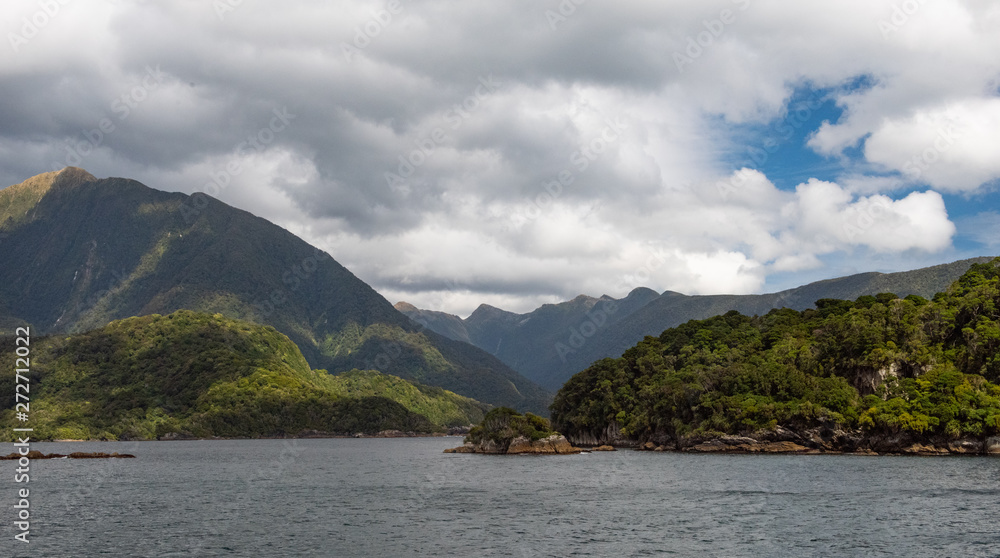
[75, 455]
[992, 446]
[604, 448]
[965, 446]
[557, 444]
[924, 449]
[467, 448]
[738, 444]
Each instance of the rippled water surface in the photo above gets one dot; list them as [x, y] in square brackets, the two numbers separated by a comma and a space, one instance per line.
[403, 497]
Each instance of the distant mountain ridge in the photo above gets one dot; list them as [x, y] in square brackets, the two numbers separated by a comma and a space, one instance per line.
[79, 252]
[555, 341]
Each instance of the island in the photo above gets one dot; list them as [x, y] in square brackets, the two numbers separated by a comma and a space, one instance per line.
[504, 431]
[881, 374]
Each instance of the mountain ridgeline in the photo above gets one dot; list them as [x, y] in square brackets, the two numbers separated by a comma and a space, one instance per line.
[79, 252]
[189, 374]
[881, 373]
[555, 341]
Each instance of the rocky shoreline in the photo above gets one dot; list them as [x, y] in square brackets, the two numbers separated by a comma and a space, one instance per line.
[818, 440]
[453, 431]
[75, 455]
[557, 444]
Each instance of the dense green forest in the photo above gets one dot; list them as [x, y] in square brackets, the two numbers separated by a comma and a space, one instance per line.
[503, 424]
[207, 375]
[880, 365]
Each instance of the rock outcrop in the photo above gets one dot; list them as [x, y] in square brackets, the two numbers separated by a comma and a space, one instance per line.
[992, 446]
[824, 439]
[75, 455]
[556, 444]
[739, 444]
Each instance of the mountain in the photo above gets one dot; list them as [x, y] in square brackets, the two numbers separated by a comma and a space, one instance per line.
[192, 374]
[449, 325]
[79, 252]
[879, 373]
[555, 341]
[672, 309]
[529, 342]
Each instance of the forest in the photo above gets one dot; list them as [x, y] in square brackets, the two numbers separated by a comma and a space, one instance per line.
[878, 365]
[191, 374]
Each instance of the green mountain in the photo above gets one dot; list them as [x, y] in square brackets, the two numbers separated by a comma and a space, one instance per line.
[555, 341]
[206, 375]
[879, 372]
[449, 325]
[79, 252]
[535, 344]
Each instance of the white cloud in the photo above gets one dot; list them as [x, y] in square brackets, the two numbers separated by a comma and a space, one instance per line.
[473, 222]
[953, 148]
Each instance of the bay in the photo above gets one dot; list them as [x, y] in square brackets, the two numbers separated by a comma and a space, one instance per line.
[404, 497]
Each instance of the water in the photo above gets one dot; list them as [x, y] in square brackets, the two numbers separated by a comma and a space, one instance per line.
[403, 497]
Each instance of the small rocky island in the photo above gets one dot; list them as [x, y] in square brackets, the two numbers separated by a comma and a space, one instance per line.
[506, 432]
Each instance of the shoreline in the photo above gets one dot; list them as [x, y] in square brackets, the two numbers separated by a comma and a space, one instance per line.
[383, 434]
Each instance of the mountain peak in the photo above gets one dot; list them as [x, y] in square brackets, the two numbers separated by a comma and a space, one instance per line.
[487, 312]
[643, 291]
[17, 201]
[405, 307]
[41, 183]
[72, 176]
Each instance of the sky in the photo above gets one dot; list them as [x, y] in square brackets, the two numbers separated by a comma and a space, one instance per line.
[524, 152]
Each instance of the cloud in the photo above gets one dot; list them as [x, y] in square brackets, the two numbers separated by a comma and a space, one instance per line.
[952, 148]
[452, 153]
[982, 228]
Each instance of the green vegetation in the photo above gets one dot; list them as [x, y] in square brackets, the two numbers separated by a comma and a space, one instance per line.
[880, 363]
[440, 406]
[80, 252]
[207, 375]
[503, 424]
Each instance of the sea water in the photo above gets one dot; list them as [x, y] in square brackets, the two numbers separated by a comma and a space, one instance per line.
[404, 497]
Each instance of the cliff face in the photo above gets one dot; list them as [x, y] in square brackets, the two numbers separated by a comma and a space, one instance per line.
[813, 440]
[557, 444]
